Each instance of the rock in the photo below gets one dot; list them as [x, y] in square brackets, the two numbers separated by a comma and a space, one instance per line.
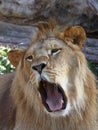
[16, 35]
[72, 12]
[91, 50]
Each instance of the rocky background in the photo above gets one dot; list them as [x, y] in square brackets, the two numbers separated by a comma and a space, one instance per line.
[17, 18]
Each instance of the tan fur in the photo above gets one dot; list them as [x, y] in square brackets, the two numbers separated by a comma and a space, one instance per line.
[21, 106]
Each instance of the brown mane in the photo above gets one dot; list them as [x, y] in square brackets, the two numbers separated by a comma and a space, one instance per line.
[71, 34]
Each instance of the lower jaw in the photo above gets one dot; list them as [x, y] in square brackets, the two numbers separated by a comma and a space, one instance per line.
[57, 114]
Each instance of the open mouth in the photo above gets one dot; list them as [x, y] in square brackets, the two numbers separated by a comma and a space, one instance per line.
[53, 96]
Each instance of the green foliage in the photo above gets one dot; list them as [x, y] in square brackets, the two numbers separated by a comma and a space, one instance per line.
[5, 65]
[93, 67]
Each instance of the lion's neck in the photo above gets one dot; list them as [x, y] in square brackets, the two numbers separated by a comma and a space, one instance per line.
[33, 121]
[29, 118]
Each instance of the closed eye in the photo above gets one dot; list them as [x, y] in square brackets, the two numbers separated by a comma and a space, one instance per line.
[55, 51]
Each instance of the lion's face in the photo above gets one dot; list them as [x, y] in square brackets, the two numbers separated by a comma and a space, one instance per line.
[51, 61]
[51, 65]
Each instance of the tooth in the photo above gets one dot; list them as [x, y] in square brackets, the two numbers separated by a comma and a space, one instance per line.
[62, 101]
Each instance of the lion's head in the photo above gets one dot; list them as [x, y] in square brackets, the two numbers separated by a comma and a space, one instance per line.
[54, 70]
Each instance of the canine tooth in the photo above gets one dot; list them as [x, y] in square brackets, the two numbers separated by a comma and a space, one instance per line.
[62, 101]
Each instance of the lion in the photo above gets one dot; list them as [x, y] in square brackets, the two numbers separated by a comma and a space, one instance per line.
[52, 88]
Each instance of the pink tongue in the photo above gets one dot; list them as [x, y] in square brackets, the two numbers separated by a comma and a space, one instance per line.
[54, 99]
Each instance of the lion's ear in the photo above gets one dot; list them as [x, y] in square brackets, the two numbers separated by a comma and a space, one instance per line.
[14, 56]
[75, 34]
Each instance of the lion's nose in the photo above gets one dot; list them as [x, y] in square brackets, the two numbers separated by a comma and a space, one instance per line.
[39, 67]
